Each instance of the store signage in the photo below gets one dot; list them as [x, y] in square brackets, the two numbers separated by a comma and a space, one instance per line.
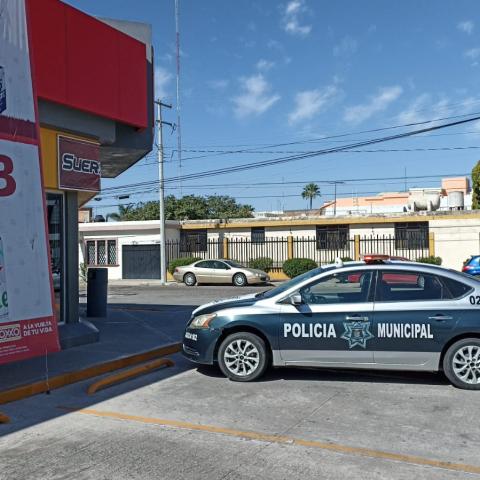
[78, 164]
[27, 322]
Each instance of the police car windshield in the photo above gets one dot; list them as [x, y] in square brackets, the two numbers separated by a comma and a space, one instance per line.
[294, 281]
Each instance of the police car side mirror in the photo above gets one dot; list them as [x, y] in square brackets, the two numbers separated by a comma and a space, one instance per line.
[296, 299]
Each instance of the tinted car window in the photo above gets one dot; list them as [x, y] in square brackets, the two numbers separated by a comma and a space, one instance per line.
[220, 265]
[205, 264]
[457, 289]
[405, 286]
[340, 287]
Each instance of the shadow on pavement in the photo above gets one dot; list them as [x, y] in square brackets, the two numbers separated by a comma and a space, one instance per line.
[339, 375]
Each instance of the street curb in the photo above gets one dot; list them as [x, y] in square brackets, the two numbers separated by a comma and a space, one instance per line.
[124, 375]
[59, 381]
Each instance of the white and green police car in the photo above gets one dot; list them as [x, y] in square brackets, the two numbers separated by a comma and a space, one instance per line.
[374, 314]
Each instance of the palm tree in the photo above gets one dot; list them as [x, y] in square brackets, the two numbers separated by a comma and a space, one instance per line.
[310, 192]
[123, 211]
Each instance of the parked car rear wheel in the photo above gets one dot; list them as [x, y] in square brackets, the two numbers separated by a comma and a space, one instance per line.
[239, 280]
[461, 364]
[189, 279]
[242, 357]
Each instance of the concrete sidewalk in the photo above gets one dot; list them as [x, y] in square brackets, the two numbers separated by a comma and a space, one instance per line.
[126, 331]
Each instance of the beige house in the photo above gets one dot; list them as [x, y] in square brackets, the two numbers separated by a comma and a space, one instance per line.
[131, 249]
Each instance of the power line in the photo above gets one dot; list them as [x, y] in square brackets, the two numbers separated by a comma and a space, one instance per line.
[354, 181]
[276, 161]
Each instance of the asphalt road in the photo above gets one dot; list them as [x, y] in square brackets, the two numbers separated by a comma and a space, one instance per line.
[175, 294]
[189, 423]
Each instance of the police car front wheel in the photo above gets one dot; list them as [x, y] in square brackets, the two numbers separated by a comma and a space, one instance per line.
[242, 357]
[461, 364]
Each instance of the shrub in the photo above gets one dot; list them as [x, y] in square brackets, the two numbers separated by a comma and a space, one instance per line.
[431, 259]
[297, 266]
[180, 262]
[261, 263]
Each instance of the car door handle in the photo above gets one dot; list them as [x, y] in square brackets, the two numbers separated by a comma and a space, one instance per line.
[440, 318]
[356, 318]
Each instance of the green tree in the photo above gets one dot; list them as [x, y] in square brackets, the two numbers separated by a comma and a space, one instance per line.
[476, 186]
[189, 207]
[310, 192]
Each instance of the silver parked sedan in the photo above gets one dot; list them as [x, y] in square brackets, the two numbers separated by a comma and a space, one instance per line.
[219, 271]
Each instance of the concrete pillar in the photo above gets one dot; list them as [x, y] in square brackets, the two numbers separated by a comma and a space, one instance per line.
[356, 240]
[225, 248]
[290, 247]
[431, 244]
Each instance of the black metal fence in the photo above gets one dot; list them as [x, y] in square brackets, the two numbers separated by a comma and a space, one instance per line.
[279, 249]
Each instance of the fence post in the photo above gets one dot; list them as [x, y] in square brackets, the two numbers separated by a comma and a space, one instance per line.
[290, 247]
[356, 239]
[225, 248]
[431, 244]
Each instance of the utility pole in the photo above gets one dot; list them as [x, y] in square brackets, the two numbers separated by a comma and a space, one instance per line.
[161, 191]
[179, 128]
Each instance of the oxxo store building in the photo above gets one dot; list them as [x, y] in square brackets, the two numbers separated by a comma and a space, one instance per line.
[94, 83]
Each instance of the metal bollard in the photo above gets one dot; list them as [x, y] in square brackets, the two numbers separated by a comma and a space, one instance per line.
[97, 289]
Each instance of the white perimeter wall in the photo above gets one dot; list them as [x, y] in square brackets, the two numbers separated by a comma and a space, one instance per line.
[133, 237]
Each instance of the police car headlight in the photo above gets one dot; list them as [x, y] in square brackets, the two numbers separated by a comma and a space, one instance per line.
[202, 321]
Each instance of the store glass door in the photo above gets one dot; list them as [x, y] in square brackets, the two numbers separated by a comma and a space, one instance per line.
[55, 217]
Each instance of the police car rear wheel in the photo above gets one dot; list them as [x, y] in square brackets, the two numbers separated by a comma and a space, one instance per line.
[242, 357]
[189, 279]
[461, 364]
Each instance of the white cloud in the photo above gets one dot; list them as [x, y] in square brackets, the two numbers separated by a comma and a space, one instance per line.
[311, 102]
[377, 103]
[466, 26]
[473, 53]
[162, 78]
[425, 107]
[264, 65]
[348, 46]
[220, 84]
[255, 98]
[429, 107]
[291, 18]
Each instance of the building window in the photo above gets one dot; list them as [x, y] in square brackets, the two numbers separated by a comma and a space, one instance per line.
[258, 234]
[411, 235]
[193, 241]
[101, 252]
[332, 237]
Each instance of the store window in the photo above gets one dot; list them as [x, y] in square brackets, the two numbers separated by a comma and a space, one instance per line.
[101, 252]
[55, 218]
[332, 237]
[411, 235]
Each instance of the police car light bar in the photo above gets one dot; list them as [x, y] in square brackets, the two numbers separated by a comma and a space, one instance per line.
[378, 258]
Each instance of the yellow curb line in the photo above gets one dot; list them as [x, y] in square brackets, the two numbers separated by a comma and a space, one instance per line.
[281, 439]
[72, 377]
[4, 418]
[127, 374]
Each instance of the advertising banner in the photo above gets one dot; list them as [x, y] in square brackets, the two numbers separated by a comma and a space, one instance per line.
[78, 164]
[27, 324]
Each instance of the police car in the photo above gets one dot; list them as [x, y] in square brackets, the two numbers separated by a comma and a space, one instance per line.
[380, 313]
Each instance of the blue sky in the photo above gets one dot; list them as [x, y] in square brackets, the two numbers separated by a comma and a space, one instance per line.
[257, 73]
